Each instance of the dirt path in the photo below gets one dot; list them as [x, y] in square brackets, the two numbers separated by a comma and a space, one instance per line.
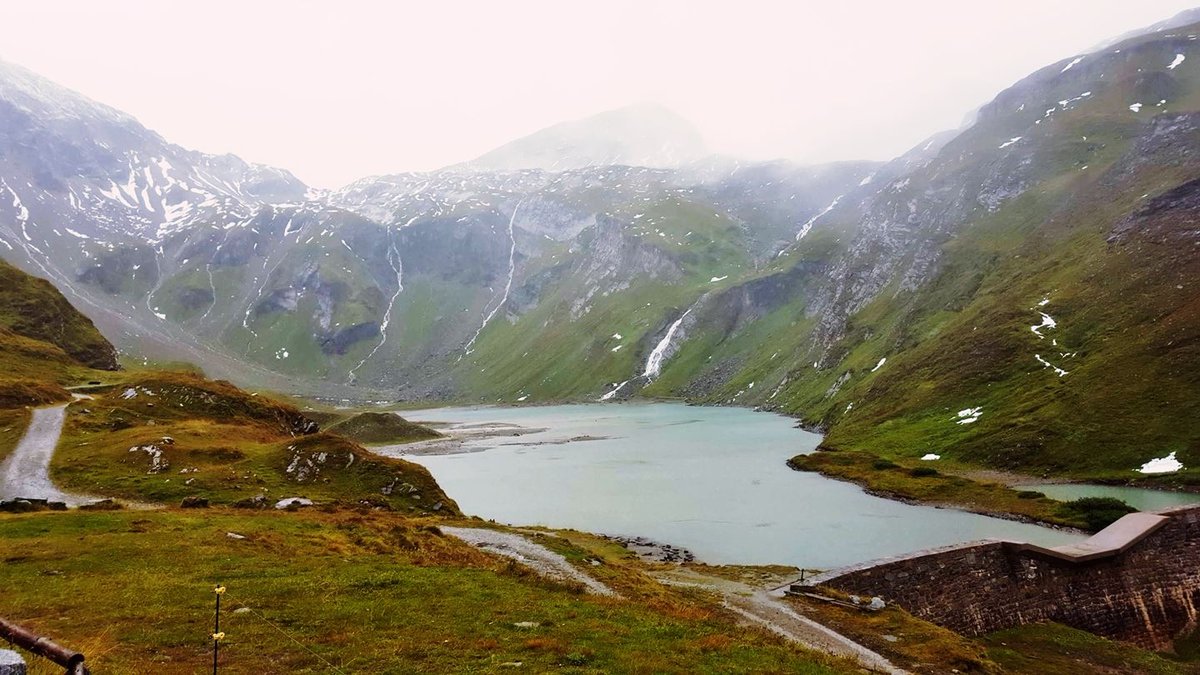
[26, 472]
[769, 610]
[535, 556]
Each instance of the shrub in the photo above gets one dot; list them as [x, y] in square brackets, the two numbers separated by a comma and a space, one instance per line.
[923, 471]
[1097, 512]
[883, 464]
[1030, 494]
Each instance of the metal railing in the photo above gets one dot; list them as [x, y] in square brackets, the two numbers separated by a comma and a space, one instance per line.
[44, 647]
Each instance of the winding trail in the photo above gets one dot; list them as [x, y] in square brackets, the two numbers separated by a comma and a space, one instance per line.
[776, 616]
[535, 556]
[26, 472]
[768, 609]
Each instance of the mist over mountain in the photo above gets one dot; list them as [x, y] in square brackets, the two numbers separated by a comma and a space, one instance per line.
[637, 135]
[612, 257]
[516, 412]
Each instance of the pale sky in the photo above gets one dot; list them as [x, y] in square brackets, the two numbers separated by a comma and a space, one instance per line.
[335, 91]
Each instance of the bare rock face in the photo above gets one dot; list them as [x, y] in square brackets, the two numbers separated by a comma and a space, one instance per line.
[1171, 218]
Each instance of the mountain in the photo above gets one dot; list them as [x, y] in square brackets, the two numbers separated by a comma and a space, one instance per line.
[1183, 19]
[1035, 274]
[181, 422]
[1020, 268]
[33, 308]
[45, 344]
[389, 286]
[638, 135]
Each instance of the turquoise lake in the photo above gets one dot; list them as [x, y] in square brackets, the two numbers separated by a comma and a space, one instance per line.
[712, 480]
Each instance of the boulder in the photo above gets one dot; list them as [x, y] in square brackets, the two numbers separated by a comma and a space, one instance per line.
[293, 503]
[11, 663]
[194, 502]
[102, 505]
[256, 502]
[17, 506]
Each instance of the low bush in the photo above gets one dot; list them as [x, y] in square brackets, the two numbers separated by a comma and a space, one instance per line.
[1097, 512]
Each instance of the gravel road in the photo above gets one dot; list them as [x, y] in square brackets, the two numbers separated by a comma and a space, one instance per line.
[535, 556]
[768, 609]
[26, 472]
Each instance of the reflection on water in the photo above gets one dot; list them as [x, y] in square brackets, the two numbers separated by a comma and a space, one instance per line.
[712, 480]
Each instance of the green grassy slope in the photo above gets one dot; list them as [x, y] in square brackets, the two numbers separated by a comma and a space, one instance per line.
[160, 437]
[1125, 317]
[1090, 211]
[156, 436]
[33, 308]
[365, 592]
[381, 427]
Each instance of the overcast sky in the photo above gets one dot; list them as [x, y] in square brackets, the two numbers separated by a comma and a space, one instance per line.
[335, 91]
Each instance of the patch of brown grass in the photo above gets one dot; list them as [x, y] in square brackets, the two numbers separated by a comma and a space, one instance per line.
[919, 646]
[546, 644]
[713, 643]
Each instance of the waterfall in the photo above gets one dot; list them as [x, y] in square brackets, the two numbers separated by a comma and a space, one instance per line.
[659, 354]
[393, 258]
[512, 268]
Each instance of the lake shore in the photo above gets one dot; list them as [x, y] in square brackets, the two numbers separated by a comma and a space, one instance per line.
[455, 439]
[710, 480]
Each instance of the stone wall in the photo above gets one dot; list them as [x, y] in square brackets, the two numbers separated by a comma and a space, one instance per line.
[1145, 591]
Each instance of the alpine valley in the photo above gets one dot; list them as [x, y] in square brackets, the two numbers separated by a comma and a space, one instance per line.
[1018, 294]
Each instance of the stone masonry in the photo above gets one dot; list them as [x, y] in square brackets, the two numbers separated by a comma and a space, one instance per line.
[1137, 581]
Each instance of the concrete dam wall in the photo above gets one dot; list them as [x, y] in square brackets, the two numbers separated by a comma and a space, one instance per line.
[1137, 580]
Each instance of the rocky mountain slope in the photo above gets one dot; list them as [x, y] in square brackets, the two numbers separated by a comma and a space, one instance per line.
[153, 436]
[1018, 270]
[1025, 299]
[393, 284]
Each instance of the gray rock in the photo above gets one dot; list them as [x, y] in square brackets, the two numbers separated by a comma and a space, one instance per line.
[11, 663]
[292, 503]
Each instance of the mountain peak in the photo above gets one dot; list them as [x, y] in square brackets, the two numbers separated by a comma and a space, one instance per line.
[27, 90]
[644, 134]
